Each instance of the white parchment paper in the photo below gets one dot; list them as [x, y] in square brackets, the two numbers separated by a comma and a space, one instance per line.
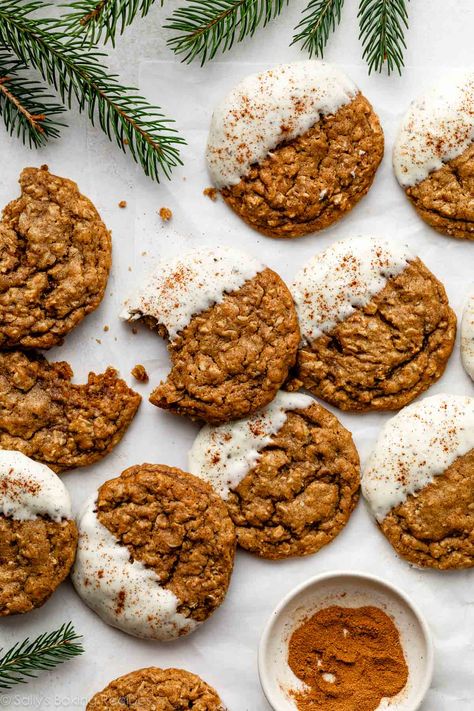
[224, 650]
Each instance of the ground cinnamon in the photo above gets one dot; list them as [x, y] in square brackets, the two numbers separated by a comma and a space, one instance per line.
[348, 658]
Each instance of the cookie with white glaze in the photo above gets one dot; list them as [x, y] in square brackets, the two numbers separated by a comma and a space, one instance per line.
[467, 335]
[419, 482]
[294, 148]
[232, 328]
[377, 329]
[433, 155]
[38, 535]
[154, 689]
[289, 475]
[156, 552]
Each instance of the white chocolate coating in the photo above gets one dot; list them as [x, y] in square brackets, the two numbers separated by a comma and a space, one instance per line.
[29, 489]
[438, 127]
[265, 109]
[467, 335]
[125, 594]
[224, 455]
[184, 286]
[343, 278]
[414, 447]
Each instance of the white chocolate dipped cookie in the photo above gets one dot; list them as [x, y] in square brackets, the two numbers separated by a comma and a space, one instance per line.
[294, 148]
[38, 537]
[232, 328]
[376, 326]
[433, 155]
[419, 482]
[156, 552]
[289, 475]
[467, 335]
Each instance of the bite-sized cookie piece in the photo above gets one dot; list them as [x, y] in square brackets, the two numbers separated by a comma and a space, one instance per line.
[294, 148]
[55, 256]
[154, 689]
[376, 326]
[467, 335]
[232, 328]
[38, 536]
[419, 482]
[289, 475]
[156, 552]
[54, 421]
[433, 156]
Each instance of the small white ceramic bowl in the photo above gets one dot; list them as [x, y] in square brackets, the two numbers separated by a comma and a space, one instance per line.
[346, 589]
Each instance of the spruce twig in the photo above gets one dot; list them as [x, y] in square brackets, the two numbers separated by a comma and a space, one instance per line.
[382, 24]
[26, 659]
[320, 18]
[103, 19]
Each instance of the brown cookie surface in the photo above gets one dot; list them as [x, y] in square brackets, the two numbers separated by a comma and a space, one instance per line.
[386, 353]
[310, 182]
[35, 557]
[54, 421]
[232, 358]
[154, 689]
[55, 256]
[175, 524]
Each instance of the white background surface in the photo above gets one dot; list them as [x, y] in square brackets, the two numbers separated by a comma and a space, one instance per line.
[224, 650]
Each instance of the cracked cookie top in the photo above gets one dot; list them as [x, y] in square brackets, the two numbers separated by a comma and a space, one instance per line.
[419, 481]
[55, 256]
[154, 689]
[156, 552]
[37, 536]
[467, 335]
[289, 475]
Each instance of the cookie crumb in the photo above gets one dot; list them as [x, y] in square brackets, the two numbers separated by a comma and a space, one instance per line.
[165, 214]
[211, 193]
[134, 330]
[139, 373]
[106, 328]
[122, 203]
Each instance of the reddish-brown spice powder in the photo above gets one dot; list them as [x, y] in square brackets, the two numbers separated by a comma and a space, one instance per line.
[348, 658]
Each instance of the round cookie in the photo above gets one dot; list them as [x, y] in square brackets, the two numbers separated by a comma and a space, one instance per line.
[55, 259]
[232, 328]
[154, 689]
[376, 326]
[156, 552]
[289, 475]
[54, 421]
[419, 482]
[294, 148]
[38, 537]
[467, 335]
[433, 155]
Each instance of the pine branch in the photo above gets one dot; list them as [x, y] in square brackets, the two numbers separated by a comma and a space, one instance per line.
[382, 24]
[319, 19]
[204, 27]
[105, 19]
[26, 659]
[62, 61]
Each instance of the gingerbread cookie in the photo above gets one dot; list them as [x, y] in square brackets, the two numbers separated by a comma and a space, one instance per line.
[55, 256]
[54, 421]
[38, 536]
[376, 326]
[433, 156]
[419, 482]
[156, 552]
[289, 475]
[294, 148]
[467, 336]
[154, 689]
[232, 329]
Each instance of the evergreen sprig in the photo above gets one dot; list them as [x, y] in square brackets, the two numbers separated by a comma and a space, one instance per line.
[74, 72]
[320, 18]
[382, 24]
[105, 19]
[26, 659]
[204, 27]
[26, 107]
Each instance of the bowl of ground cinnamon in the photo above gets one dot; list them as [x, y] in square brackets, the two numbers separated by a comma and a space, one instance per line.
[346, 641]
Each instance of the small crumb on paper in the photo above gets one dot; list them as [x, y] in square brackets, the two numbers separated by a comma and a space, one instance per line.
[165, 214]
[139, 373]
[211, 193]
[122, 203]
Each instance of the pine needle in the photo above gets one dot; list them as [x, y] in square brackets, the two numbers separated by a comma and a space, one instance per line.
[320, 18]
[105, 19]
[382, 24]
[204, 27]
[26, 659]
